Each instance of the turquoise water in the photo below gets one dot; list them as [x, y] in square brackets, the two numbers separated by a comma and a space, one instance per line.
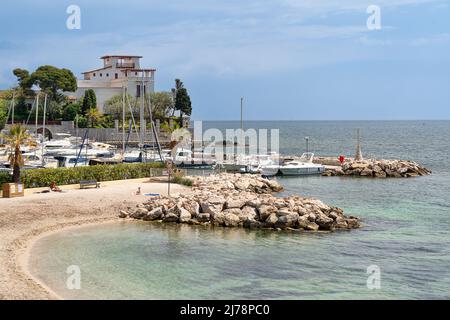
[406, 234]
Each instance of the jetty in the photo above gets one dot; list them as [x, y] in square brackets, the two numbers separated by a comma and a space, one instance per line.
[234, 200]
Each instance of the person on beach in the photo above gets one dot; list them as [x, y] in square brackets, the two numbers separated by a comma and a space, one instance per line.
[138, 192]
[54, 187]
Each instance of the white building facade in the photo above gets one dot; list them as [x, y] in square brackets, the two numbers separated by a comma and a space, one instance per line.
[117, 74]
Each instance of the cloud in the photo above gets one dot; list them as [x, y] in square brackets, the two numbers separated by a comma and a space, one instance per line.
[443, 38]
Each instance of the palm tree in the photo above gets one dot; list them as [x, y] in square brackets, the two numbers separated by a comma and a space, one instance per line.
[16, 137]
[93, 116]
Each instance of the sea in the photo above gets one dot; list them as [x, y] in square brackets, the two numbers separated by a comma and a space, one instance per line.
[401, 252]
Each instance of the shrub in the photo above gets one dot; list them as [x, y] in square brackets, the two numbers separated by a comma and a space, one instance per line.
[5, 177]
[35, 178]
[179, 179]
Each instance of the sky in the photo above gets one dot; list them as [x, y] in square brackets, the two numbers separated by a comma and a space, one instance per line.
[289, 59]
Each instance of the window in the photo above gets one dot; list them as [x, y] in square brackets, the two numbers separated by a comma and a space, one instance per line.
[138, 90]
[116, 76]
[101, 74]
[135, 73]
[94, 74]
[107, 75]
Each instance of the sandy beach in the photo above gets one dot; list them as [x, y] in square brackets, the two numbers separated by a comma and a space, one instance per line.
[23, 220]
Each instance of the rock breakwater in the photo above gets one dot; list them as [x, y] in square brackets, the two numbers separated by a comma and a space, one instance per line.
[230, 200]
[379, 169]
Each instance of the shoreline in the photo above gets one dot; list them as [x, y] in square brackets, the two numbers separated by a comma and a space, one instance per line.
[23, 255]
[24, 221]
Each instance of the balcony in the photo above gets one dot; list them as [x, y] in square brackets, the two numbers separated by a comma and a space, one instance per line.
[125, 65]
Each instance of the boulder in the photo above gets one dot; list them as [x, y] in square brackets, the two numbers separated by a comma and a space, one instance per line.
[312, 226]
[352, 223]
[155, 214]
[366, 172]
[242, 184]
[248, 213]
[341, 223]
[271, 220]
[324, 222]
[231, 220]
[123, 214]
[255, 203]
[284, 212]
[235, 203]
[139, 213]
[193, 207]
[203, 217]
[252, 224]
[287, 221]
[170, 217]
[212, 208]
[185, 216]
[265, 211]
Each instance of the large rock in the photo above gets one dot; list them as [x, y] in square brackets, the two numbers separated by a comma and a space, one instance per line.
[287, 221]
[248, 213]
[155, 214]
[265, 211]
[170, 217]
[185, 216]
[231, 220]
[212, 206]
[271, 220]
[324, 222]
[193, 207]
[203, 217]
[139, 213]
[235, 203]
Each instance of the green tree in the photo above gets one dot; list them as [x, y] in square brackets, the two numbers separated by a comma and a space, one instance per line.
[162, 104]
[183, 103]
[178, 85]
[93, 117]
[89, 101]
[17, 137]
[70, 111]
[3, 113]
[54, 110]
[114, 105]
[51, 80]
[81, 121]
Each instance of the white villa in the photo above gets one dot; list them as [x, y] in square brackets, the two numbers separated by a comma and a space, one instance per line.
[118, 73]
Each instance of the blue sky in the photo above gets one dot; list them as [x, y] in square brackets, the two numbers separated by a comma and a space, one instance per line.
[290, 59]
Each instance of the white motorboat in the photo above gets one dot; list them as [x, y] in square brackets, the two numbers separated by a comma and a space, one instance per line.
[303, 166]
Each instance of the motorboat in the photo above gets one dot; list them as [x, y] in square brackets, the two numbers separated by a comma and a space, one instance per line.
[72, 161]
[300, 167]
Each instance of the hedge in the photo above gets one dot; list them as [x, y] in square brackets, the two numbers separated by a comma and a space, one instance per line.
[34, 178]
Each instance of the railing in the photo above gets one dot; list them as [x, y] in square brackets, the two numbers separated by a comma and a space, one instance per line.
[125, 65]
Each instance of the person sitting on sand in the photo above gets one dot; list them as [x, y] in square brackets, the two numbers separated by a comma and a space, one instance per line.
[138, 192]
[54, 187]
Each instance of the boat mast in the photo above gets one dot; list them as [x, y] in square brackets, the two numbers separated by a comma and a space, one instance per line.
[37, 112]
[43, 129]
[142, 111]
[123, 120]
[242, 126]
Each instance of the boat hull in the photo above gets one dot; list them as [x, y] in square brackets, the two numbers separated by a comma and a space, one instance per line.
[301, 171]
